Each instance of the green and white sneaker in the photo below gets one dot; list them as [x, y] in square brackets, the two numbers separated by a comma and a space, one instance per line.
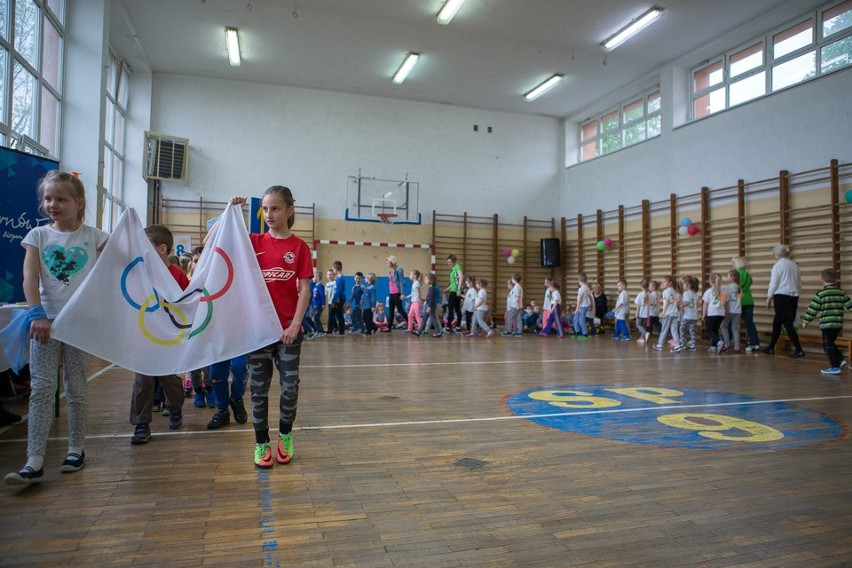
[285, 448]
[263, 455]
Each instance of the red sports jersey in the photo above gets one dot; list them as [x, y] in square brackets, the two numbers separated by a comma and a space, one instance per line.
[283, 262]
[179, 275]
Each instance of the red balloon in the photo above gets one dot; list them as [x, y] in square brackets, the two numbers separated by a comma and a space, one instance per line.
[692, 229]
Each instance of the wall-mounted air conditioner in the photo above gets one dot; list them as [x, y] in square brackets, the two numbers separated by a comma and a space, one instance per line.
[166, 157]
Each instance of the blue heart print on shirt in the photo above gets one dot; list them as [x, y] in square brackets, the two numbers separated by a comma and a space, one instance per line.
[64, 263]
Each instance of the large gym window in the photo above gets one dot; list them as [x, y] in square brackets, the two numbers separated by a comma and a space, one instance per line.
[630, 123]
[32, 40]
[117, 97]
[814, 44]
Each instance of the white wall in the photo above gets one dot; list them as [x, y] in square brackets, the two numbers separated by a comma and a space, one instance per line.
[245, 137]
[798, 129]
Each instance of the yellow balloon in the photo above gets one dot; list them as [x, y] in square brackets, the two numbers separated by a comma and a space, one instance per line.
[516, 253]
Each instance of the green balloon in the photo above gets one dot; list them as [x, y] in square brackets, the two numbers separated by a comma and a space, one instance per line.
[600, 245]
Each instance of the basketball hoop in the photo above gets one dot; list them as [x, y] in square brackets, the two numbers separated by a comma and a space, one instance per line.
[386, 219]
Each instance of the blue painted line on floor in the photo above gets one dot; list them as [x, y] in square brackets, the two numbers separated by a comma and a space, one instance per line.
[267, 520]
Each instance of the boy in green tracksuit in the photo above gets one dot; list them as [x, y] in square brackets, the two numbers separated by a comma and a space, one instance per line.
[828, 305]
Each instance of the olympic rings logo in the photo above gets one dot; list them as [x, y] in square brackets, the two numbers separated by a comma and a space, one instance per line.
[154, 302]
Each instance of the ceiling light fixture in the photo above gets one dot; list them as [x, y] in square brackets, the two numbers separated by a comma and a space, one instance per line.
[407, 65]
[543, 87]
[233, 41]
[448, 10]
[632, 28]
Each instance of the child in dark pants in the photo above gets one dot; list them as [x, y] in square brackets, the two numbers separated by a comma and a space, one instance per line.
[828, 305]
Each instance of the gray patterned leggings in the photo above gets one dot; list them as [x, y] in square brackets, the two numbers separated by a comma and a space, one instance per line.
[44, 370]
[260, 362]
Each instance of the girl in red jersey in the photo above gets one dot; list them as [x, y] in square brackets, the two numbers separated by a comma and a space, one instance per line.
[285, 262]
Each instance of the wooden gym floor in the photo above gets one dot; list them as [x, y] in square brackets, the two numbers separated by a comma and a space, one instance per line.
[409, 452]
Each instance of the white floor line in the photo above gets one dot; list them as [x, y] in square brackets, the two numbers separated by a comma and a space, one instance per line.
[467, 363]
[461, 420]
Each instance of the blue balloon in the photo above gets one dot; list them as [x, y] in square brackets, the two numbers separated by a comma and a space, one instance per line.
[685, 222]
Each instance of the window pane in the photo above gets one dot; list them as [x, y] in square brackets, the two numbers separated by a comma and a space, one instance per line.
[4, 18]
[58, 9]
[3, 62]
[26, 30]
[794, 71]
[836, 55]
[634, 111]
[793, 38]
[747, 59]
[49, 121]
[110, 120]
[107, 170]
[118, 137]
[709, 103]
[111, 75]
[117, 171]
[747, 89]
[589, 130]
[609, 121]
[124, 88]
[707, 77]
[837, 19]
[610, 143]
[23, 101]
[588, 151]
[653, 125]
[634, 133]
[653, 102]
[51, 54]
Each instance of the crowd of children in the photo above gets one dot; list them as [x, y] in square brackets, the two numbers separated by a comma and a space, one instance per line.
[670, 307]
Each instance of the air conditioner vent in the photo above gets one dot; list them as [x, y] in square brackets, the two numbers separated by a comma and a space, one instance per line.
[166, 157]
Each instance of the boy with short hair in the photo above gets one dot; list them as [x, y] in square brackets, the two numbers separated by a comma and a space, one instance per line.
[142, 399]
[828, 305]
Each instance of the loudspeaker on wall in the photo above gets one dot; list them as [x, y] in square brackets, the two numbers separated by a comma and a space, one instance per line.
[550, 252]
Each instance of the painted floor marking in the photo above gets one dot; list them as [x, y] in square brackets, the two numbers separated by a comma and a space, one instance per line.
[463, 420]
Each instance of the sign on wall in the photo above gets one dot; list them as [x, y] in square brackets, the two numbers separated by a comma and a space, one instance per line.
[19, 177]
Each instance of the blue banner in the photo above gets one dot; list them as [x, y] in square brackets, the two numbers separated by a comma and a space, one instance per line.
[19, 177]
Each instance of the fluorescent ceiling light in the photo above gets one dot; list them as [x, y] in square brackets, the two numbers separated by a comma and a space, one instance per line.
[632, 28]
[233, 46]
[542, 88]
[407, 65]
[448, 10]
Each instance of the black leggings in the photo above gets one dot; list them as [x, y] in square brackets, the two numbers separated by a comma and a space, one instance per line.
[785, 315]
[454, 307]
[713, 325]
[395, 302]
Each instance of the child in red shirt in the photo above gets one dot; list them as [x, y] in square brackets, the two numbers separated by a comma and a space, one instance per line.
[285, 261]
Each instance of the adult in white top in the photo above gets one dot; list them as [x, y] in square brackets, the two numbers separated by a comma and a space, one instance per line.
[783, 293]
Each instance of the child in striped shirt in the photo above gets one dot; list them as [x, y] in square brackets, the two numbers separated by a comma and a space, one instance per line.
[828, 305]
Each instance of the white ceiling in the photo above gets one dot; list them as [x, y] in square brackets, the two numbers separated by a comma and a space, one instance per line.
[489, 55]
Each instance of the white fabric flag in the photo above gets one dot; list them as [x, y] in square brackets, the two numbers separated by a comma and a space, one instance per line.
[132, 312]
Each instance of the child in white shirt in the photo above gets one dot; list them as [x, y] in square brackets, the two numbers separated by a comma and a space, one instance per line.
[622, 311]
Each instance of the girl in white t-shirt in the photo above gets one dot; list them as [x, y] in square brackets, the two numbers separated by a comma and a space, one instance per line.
[480, 310]
[415, 321]
[469, 303]
[733, 303]
[642, 303]
[622, 312]
[555, 318]
[670, 314]
[58, 257]
[689, 304]
[584, 303]
[514, 306]
[714, 309]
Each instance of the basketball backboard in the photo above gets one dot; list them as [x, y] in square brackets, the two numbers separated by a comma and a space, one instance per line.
[372, 199]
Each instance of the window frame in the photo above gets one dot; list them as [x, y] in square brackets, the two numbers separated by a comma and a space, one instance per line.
[770, 63]
[621, 126]
[118, 84]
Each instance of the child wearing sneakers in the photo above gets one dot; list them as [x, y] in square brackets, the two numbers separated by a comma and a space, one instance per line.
[469, 301]
[430, 310]
[142, 399]
[689, 303]
[642, 303]
[480, 310]
[514, 305]
[555, 318]
[670, 315]
[622, 311]
[713, 306]
[828, 305]
[290, 296]
[734, 309]
[50, 278]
